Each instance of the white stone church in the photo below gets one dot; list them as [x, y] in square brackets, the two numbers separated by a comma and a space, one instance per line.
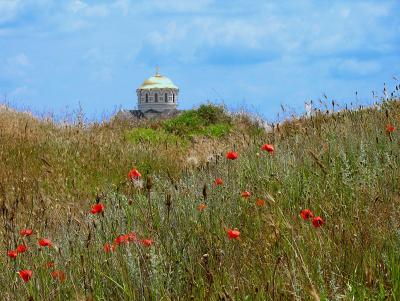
[157, 97]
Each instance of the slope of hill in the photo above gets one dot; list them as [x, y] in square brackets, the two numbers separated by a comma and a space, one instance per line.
[177, 233]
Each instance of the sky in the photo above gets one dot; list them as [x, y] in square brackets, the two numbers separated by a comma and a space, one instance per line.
[57, 56]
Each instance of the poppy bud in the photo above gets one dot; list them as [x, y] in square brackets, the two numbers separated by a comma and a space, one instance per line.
[168, 201]
[149, 183]
[205, 191]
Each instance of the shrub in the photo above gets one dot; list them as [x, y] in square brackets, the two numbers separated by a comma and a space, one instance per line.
[209, 120]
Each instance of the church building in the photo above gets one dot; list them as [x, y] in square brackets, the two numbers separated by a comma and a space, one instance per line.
[156, 97]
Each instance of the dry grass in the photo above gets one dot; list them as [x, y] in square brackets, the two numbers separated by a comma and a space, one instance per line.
[344, 167]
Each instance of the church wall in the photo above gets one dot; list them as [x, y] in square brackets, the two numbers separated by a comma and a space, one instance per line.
[160, 105]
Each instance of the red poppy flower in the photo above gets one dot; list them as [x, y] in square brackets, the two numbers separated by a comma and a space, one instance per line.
[50, 265]
[108, 248]
[231, 155]
[121, 239]
[317, 222]
[246, 194]
[26, 275]
[260, 202]
[97, 208]
[12, 254]
[390, 128]
[233, 234]
[58, 274]
[306, 214]
[21, 249]
[201, 207]
[134, 174]
[218, 181]
[147, 242]
[268, 147]
[131, 236]
[26, 232]
[44, 242]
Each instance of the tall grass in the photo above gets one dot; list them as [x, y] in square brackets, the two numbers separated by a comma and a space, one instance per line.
[342, 166]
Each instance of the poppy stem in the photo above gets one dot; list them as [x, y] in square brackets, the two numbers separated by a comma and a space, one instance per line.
[149, 185]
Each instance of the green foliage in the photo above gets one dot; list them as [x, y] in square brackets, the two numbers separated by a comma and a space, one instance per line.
[212, 114]
[153, 136]
[217, 130]
[208, 120]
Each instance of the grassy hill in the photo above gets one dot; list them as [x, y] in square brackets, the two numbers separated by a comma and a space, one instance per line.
[344, 167]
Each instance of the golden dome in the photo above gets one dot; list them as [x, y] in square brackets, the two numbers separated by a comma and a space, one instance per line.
[157, 81]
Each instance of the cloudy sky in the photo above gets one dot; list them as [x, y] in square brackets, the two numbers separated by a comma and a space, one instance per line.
[55, 55]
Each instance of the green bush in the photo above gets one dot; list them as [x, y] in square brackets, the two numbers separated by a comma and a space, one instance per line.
[208, 120]
[186, 123]
[212, 114]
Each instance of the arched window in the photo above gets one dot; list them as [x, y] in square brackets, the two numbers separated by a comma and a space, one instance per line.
[173, 97]
[147, 97]
[155, 97]
[166, 97]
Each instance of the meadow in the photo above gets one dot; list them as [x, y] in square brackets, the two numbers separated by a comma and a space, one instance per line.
[205, 206]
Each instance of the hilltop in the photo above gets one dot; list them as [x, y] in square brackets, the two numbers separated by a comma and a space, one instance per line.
[175, 233]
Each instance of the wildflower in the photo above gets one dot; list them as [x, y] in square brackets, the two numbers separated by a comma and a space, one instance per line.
[390, 128]
[26, 232]
[246, 194]
[108, 247]
[134, 174]
[58, 274]
[147, 242]
[121, 239]
[260, 202]
[97, 208]
[268, 147]
[201, 207]
[50, 265]
[131, 236]
[44, 242]
[231, 155]
[12, 254]
[233, 234]
[26, 275]
[21, 248]
[306, 214]
[218, 181]
[317, 222]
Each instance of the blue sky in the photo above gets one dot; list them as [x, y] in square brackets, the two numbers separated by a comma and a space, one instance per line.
[55, 55]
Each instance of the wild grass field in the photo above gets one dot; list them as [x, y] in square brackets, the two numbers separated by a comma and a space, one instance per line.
[307, 211]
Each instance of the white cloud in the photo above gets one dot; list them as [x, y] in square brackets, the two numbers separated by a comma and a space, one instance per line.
[76, 6]
[9, 10]
[358, 67]
[86, 10]
[20, 60]
[15, 66]
[168, 36]
[178, 5]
